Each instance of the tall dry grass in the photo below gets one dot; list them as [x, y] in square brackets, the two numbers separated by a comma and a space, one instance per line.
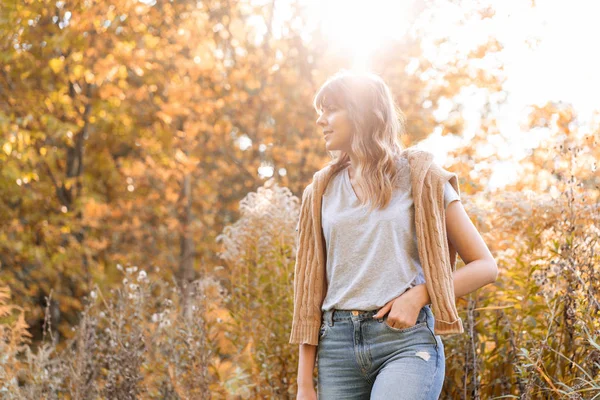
[135, 342]
[532, 335]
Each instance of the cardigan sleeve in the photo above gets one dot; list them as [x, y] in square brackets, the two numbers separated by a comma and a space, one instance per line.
[302, 204]
[439, 269]
[306, 318]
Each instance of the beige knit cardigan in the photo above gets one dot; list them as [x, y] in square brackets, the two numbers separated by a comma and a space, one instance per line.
[436, 253]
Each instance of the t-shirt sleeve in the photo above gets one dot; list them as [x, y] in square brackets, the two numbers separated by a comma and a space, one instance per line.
[449, 194]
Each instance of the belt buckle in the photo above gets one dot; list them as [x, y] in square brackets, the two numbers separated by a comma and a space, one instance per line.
[355, 312]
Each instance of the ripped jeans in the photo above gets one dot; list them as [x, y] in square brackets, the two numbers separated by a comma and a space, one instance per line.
[359, 357]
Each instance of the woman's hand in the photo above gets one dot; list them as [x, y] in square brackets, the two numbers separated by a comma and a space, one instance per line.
[404, 309]
[306, 392]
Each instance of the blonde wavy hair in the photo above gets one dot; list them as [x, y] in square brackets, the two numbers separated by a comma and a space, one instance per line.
[377, 123]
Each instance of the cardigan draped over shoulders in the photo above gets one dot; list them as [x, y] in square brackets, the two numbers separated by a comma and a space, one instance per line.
[437, 254]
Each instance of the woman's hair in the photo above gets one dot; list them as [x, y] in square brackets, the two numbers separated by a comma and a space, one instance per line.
[377, 123]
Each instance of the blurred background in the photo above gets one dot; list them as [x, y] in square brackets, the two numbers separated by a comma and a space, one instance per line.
[152, 155]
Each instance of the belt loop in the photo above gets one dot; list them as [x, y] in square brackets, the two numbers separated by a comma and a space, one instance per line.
[329, 317]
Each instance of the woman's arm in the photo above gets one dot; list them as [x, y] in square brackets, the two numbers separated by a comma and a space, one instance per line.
[480, 267]
[306, 365]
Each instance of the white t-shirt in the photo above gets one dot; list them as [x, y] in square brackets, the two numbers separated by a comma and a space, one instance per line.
[371, 257]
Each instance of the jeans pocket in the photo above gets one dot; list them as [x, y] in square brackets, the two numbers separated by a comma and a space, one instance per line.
[407, 329]
[421, 322]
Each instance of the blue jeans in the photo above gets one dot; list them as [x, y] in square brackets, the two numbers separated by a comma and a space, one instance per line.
[359, 357]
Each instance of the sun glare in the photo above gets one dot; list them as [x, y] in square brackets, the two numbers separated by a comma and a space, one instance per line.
[358, 27]
[545, 56]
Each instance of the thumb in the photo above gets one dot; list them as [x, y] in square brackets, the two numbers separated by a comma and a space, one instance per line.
[383, 310]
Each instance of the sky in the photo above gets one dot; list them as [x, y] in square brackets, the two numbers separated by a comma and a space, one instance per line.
[549, 55]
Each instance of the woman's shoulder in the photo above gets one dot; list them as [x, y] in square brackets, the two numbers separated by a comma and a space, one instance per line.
[413, 151]
[402, 166]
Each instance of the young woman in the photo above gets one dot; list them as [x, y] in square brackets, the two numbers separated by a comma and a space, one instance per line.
[375, 279]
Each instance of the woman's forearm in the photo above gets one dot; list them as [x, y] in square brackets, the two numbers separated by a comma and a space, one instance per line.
[467, 279]
[306, 364]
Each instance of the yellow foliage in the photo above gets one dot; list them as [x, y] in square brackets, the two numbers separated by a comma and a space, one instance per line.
[56, 64]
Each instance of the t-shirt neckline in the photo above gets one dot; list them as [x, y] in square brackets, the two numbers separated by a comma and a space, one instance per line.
[347, 178]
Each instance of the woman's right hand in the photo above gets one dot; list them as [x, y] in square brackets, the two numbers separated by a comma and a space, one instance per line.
[306, 393]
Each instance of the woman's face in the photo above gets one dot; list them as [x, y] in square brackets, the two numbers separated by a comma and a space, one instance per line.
[336, 128]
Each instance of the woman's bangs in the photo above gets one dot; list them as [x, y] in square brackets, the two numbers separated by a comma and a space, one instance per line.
[328, 96]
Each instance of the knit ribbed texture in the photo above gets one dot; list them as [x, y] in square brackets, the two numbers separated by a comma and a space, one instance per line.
[436, 253]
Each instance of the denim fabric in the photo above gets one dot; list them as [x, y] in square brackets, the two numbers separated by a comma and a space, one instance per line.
[359, 357]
